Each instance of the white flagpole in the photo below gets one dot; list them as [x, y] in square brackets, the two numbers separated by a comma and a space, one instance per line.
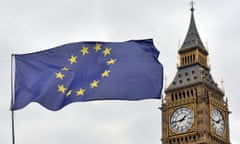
[12, 98]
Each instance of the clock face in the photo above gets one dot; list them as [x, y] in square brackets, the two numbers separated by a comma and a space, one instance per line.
[217, 122]
[181, 119]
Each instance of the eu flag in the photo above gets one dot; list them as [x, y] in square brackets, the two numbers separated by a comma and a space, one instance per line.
[87, 71]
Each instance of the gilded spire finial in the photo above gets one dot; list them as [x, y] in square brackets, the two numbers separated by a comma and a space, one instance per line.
[192, 3]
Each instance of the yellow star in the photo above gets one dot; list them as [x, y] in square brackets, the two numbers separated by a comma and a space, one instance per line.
[84, 50]
[107, 51]
[106, 73]
[111, 61]
[61, 88]
[97, 47]
[59, 75]
[72, 59]
[94, 84]
[80, 92]
[65, 69]
[69, 93]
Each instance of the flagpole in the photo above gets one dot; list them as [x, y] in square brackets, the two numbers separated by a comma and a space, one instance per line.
[13, 129]
[12, 102]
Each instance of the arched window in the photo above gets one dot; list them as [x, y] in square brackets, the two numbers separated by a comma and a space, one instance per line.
[191, 59]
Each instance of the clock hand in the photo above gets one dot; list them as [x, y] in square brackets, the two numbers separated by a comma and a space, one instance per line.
[183, 118]
[218, 121]
[214, 120]
[180, 119]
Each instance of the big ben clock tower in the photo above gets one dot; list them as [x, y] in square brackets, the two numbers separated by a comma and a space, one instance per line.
[194, 110]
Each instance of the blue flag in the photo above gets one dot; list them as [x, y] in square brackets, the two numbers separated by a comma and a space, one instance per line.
[86, 71]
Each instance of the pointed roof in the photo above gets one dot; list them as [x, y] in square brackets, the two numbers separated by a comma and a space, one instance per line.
[196, 73]
[191, 76]
[192, 39]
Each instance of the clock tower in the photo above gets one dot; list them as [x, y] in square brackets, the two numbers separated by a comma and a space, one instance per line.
[194, 110]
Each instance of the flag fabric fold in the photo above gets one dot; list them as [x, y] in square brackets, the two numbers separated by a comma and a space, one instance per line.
[87, 71]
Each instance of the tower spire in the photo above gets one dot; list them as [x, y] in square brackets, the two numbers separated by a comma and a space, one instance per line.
[192, 3]
[192, 39]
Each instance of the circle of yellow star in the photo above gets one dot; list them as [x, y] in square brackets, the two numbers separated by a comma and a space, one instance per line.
[84, 50]
[80, 92]
[59, 75]
[94, 84]
[111, 61]
[106, 73]
[97, 47]
[69, 93]
[61, 88]
[107, 51]
[72, 59]
[65, 69]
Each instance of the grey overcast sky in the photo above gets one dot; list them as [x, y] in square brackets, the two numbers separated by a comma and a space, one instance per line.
[33, 25]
